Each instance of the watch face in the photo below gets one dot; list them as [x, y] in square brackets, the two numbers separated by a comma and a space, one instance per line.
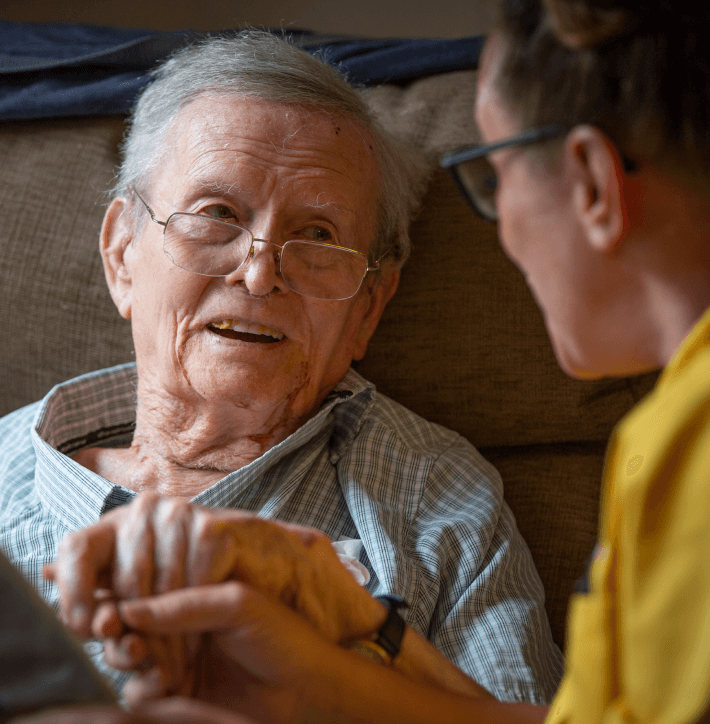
[41, 663]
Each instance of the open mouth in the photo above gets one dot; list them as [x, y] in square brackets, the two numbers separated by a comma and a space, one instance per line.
[255, 333]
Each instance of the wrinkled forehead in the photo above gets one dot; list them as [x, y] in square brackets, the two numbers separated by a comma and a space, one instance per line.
[283, 134]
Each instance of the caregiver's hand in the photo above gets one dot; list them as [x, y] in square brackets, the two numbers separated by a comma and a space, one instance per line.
[167, 711]
[264, 661]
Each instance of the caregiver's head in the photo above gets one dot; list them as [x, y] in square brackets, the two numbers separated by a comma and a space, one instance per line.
[603, 201]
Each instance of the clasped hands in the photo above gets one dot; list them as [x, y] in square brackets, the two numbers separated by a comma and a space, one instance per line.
[171, 586]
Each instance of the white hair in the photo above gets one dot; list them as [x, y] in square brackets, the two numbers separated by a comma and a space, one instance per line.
[261, 65]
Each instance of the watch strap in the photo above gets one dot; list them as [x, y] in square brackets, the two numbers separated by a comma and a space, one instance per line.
[390, 634]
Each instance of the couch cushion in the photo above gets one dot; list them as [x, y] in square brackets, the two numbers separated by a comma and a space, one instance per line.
[58, 319]
[553, 490]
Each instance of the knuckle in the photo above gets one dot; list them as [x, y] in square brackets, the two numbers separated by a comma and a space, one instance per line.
[75, 545]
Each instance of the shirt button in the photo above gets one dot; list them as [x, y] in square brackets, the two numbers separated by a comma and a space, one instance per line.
[634, 465]
[93, 648]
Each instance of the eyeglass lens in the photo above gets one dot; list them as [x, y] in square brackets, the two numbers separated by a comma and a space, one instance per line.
[479, 181]
[216, 248]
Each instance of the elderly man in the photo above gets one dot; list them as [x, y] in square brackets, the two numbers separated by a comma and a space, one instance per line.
[255, 236]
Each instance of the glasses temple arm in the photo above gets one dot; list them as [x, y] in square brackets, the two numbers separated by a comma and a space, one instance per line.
[150, 211]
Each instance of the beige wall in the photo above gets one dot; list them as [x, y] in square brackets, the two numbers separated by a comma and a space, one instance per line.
[373, 18]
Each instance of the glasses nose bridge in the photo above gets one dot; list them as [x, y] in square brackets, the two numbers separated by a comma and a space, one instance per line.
[278, 253]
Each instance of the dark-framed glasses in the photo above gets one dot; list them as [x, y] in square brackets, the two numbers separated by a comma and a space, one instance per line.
[216, 248]
[474, 174]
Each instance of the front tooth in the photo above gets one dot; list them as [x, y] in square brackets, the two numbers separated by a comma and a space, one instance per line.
[238, 326]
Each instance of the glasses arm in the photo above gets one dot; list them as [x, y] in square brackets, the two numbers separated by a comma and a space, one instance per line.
[150, 211]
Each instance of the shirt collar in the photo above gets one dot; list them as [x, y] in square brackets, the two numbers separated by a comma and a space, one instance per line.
[100, 406]
[695, 344]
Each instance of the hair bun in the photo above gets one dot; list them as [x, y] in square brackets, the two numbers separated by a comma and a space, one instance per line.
[586, 23]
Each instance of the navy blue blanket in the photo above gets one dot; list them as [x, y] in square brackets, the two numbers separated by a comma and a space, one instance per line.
[74, 70]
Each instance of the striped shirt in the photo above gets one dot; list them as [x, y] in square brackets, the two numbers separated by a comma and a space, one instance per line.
[427, 506]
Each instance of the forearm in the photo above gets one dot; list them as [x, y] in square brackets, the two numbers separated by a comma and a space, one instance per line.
[351, 690]
[421, 662]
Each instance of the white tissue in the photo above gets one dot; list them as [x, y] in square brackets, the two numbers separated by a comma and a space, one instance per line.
[349, 551]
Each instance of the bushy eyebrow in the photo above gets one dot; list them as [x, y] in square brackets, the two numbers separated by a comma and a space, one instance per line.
[216, 187]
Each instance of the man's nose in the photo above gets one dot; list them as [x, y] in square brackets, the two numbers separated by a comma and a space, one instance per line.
[260, 271]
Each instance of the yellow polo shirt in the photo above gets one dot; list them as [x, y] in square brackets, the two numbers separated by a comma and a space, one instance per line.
[638, 644]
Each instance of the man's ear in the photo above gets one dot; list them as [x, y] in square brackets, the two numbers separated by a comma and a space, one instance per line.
[379, 293]
[116, 236]
[598, 193]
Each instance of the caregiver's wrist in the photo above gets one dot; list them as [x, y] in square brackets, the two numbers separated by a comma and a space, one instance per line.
[364, 618]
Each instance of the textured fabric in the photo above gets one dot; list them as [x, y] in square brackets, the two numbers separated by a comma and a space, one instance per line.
[639, 639]
[428, 508]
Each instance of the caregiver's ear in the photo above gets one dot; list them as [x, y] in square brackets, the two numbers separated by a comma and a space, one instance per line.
[598, 186]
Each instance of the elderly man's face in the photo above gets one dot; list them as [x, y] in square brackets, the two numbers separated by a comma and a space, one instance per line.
[284, 172]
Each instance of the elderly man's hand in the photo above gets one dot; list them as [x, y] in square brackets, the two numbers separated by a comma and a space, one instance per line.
[156, 545]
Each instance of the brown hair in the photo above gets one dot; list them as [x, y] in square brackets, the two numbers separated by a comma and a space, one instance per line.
[638, 71]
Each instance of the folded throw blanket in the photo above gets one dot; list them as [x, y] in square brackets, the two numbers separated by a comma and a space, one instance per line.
[67, 69]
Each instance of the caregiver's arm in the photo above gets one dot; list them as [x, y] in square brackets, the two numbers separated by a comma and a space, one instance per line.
[275, 666]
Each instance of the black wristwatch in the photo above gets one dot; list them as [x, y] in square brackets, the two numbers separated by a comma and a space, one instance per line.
[386, 643]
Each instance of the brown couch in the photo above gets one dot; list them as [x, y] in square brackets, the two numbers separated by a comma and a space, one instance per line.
[462, 343]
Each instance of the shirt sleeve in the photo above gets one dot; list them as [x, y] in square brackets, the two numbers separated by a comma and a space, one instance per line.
[430, 511]
[489, 616]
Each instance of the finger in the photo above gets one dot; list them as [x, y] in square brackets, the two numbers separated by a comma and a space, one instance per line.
[128, 653]
[135, 544]
[196, 610]
[175, 662]
[167, 654]
[145, 686]
[258, 634]
[85, 558]
[213, 546]
[173, 521]
[106, 622]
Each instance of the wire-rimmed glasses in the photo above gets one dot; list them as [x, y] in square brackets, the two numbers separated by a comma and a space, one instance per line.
[216, 248]
[474, 175]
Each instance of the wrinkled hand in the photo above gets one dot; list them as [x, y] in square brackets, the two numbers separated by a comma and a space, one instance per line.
[156, 545]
